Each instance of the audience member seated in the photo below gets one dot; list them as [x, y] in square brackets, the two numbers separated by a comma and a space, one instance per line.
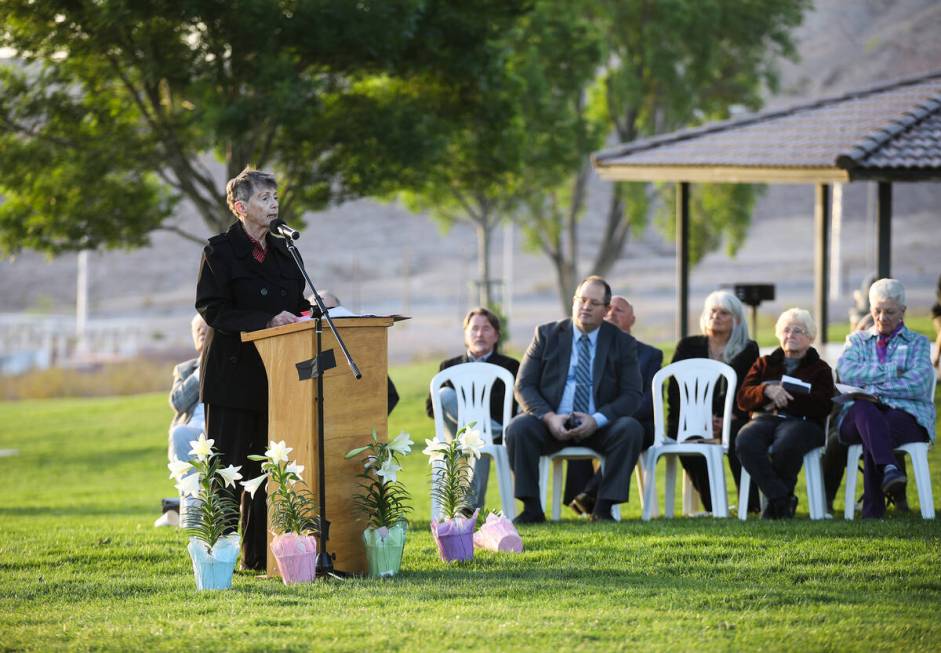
[787, 420]
[891, 363]
[579, 383]
[859, 314]
[331, 301]
[481, 339]
[936, 320]
[189, 417]
[581, 495]
[725, 339]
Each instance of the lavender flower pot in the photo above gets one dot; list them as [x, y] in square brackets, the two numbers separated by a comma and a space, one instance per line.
[384, 548]
[213, 567]
[455, 538]
[296, 556]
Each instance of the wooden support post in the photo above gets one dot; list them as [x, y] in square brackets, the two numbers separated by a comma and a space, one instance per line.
[682, 259]
[884, 230]
[821, 259]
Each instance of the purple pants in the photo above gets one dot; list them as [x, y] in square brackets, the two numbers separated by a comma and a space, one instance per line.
[880, 430]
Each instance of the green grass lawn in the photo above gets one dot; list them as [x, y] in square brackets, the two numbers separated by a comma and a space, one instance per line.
[82, 568]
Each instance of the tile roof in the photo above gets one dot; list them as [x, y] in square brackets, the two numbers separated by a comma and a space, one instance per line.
[888, 126]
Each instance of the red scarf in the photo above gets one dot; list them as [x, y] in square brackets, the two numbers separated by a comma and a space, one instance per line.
[882, 344]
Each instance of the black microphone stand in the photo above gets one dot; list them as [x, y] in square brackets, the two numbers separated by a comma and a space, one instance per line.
[320, 364]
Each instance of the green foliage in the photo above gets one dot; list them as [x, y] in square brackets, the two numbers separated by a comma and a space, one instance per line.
[451, 474]
[383, 500]
[216, 512]
[292, 508]
[717, 213]
[113, 107]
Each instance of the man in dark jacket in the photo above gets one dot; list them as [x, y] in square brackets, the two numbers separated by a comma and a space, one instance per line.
[579, 383]
[247, 281]
[481, 336]
[581, 481]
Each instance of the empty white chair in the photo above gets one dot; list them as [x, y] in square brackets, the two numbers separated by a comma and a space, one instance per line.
[473, 383]
[696, 379]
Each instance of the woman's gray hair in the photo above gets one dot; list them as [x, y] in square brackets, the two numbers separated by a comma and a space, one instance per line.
[739, 336]
[887, 289]
[796, 315]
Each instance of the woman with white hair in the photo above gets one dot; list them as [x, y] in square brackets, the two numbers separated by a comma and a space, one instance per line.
[892, 364]
[725, 338]
[787, 419]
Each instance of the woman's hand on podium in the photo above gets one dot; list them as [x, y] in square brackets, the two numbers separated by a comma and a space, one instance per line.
[282, 318]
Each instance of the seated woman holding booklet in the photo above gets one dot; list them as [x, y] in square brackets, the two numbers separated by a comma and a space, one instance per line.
[892, 365]
[788, 393]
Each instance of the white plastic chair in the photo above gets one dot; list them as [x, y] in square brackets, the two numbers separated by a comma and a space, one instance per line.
[696, 379]
[555, 460]
[813, 473]
[473, 383]
[917, 451]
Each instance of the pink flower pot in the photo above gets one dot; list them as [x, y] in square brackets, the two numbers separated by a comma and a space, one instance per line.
[296, 556]
[455, 538]
[498, 534]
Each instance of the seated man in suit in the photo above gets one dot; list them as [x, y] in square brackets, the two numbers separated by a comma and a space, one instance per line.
[581, 495]
[481, 337]
[579, 383]
[189, 418]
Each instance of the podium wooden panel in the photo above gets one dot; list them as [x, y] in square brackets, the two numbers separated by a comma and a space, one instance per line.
[352, 409]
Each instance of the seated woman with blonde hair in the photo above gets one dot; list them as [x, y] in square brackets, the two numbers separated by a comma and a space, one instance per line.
[787, 418]
[892, 365]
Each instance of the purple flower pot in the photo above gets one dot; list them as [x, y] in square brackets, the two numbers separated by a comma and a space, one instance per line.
[498, 534]
[455, 538]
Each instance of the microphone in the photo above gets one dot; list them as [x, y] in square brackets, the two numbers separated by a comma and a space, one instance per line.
[279, 229]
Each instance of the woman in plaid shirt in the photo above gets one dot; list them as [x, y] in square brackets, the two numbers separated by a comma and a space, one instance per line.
[893, 364]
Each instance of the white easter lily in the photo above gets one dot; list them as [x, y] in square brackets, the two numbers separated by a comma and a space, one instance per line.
[251, 486]
[201, 448]
[188, 486]
[471, 443]
[434, 450]
[178, 468]
[402, 443]
[294, 468]
[278, 451]
[230, 474]
[388, 470]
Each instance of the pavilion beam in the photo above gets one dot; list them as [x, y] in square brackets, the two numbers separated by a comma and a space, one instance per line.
[884, 230]
[682, 260]
[821, 259]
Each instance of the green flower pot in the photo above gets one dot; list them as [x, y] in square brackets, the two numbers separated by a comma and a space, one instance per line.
[384, 548]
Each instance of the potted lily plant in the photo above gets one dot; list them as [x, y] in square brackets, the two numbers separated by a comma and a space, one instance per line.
[292, 513]
[452, 471]
[212, 548]
[383, 500]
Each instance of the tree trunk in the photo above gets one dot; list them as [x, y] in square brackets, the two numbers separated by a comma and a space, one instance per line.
[484, 228]
[615, 234]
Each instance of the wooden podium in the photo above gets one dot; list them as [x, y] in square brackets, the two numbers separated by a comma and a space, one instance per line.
[352, 409]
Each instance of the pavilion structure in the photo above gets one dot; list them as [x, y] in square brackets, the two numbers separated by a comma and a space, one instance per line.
[883, 134]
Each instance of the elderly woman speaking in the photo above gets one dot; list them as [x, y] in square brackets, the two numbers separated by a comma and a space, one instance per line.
[787, 417]
[892, 365]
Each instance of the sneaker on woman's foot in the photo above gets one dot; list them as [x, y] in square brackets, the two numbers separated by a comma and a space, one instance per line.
[169, 518]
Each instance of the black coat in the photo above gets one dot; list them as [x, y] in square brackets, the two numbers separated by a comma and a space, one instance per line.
[236, 293]
[496, 395]
[616, 381]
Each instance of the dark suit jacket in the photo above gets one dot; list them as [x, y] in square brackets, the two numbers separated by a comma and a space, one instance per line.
[236, 293]
[496, 395]
[650, 360]
[615, 374]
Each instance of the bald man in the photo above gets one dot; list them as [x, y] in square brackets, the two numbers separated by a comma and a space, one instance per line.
[581, 484]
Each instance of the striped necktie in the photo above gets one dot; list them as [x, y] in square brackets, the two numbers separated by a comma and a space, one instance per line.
[582, 377]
